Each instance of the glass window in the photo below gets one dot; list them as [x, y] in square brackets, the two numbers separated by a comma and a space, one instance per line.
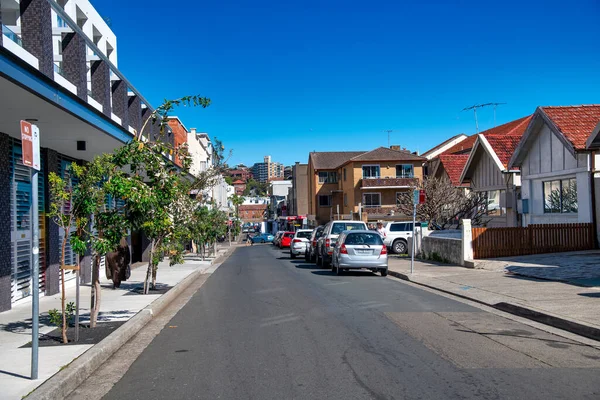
[404, 171]
[327, 177]
[371, 239]
[398, 227]
[304, 235]
[344, 174]
[493, 202]
[560, 196]
[372, 199]
[340, 227]
[370, 171]
[324, 201]
[345, 199]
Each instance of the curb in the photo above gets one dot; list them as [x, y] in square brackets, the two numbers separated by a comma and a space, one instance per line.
[520, 311]
[61, 384]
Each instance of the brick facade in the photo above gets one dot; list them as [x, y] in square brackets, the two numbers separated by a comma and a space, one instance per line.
[74, 62]
[101, 85]
[179, 135]
[5, 237]
[120, 104]
[134, 105]
[36, 32]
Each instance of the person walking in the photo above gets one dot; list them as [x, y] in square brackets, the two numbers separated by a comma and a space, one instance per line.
[381, 230]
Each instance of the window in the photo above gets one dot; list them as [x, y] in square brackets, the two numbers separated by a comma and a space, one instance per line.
[345, 200]
[372, 199]
[344, 174]
[324, 201]
[339, 227]
[370, 171]
[560, 196]
[327, 177]
[493, 202]
[399, 227]
[356, 239]
[404, 171]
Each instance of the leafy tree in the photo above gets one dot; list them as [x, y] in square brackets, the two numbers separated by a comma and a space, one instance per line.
[237, 201]
[228, 180]
[258, 188]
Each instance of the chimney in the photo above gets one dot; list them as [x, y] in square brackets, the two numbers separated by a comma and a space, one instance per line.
[395, 147]
[193, 130]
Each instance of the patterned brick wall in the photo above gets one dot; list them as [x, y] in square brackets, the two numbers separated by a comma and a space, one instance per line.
[5, 254]
[135, 112]
[74, 62]
[36, 32]
[101, 85]
[120, 102]
[53, 247]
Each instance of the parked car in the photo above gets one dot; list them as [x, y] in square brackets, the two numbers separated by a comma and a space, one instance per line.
[311, 250]
[286, 239]
[299, 241]
[396, 236]
[331, 231]
[277, 237]
[360, 249]
[262, 238]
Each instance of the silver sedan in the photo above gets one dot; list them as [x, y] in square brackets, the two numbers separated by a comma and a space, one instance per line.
[360, 249]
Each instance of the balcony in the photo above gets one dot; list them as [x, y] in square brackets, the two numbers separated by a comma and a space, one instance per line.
[389, 183]
[381, 211]
[15, 46]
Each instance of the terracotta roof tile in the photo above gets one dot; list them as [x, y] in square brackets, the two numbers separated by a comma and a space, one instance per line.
[331, 159]
[576, 123]
[504, 146]
[385, 154]
[463, 147]
[454, 165]
[433, 149]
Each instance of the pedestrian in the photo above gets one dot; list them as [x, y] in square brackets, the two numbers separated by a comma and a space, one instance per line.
[371, 226]
[380, 229]
[248, 240]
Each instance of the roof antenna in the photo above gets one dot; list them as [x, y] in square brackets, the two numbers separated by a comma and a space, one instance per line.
[476, 106]
[388, 132]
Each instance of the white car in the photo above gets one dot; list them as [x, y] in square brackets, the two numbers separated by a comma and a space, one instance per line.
[397, 234]
[299, 241]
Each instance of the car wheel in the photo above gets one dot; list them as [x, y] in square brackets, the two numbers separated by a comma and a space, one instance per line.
[262, 241]
[326, 264]
[383, 272]
[400, 247]
[292, 255]
[319, 263]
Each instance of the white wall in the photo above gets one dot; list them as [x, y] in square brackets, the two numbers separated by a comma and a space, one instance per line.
[280, 188]
[548, 159]
[198, 153]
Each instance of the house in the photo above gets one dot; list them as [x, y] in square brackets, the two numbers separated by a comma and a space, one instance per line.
[252, 212]
[487, 171]
[444, 146]
[239, 187]
[349, 184]
[556, 162]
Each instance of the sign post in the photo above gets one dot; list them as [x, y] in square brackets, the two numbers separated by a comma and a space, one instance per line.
[418, 198]
[30, 142]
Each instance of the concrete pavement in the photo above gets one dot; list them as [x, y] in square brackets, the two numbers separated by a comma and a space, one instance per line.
[560, 304]
[117, 305]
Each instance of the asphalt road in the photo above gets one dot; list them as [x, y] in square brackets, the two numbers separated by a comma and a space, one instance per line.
[267, 327]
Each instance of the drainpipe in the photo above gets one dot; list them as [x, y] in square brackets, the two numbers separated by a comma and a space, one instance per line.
[592, 164]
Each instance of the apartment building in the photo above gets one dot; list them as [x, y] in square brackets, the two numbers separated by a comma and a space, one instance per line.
[369, 184]
[267, 170]
[58, 70]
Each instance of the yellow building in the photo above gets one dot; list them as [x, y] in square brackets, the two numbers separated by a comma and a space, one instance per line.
[341, 182]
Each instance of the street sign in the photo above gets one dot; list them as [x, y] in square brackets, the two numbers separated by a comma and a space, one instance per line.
[416, 196]
[30, 143]
[421, 196]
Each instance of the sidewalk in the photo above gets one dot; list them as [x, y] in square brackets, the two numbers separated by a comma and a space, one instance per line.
[117, 306]
[560, 304]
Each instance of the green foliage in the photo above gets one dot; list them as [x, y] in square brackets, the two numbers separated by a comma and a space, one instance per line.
[259, 188]
[56, 316]
[229, 180]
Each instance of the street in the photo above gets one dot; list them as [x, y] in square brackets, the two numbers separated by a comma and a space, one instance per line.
[267, 327]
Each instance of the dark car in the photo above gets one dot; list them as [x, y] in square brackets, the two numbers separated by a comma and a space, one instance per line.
[311, 252]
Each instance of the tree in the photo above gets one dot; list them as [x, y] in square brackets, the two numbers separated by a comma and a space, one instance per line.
[237, 201]
[445, 204]
[259, 188]
[228, 180]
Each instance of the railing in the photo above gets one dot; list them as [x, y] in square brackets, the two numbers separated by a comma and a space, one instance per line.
[380, 210]
[383, 182]
[61, 23]
[534, 239]
[58, 69]
[11, 35]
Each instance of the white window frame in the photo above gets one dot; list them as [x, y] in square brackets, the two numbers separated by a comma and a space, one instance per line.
[370, 194]
[412, 175]
[371, 165]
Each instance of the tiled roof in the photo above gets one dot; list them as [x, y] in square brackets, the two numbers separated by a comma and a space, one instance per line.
[433, 149]
[385, 154]
[331, 159]
[576, 123]
[504, 146]
[454, 165]
[239, 182]
[463, 147]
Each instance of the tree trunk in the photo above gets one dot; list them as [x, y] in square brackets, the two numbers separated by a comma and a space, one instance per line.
[154, 268]
[63, 296]
[149, 270]
[95, 306]
[203, 251]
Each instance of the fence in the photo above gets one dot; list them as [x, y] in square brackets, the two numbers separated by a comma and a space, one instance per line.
[534, 239]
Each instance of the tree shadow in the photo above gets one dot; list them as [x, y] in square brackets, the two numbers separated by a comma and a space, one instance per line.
[571, 276]
[592, 295]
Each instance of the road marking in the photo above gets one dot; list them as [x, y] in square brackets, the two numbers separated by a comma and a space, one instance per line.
[279, 321]
[376, 305]
[271, 290]
[279, 317]
[336, 283]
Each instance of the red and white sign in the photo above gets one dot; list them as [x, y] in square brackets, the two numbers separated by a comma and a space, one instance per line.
[30, 144]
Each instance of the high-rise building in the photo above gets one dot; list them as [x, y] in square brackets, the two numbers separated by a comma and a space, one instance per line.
[267, 170]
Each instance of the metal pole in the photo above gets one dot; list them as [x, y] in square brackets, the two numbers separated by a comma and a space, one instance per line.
[412, 253]
[35, 279]
[77, 275]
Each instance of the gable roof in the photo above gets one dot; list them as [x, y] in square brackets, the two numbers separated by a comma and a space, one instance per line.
[464, 147]
[440, 148]
[331, 159]
[239, 182]
[385, 154]
[499, 143]
[575, 126]
[453, 165]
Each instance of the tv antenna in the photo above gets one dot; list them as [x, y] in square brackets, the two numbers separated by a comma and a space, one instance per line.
[476, 106]
[388, 132]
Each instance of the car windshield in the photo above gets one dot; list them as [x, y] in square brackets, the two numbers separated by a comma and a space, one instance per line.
[289, 235]
[304, 235]
[339, 227]
[363, 238]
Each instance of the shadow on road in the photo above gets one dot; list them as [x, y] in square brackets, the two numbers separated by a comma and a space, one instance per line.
[349, 273]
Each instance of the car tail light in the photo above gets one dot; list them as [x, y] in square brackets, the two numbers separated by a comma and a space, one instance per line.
[383, 250]
[297, 240]
[343, 249]
[327, 243]
[314, 243]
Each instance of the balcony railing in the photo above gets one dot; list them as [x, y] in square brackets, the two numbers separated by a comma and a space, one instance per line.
[381, 210]
[58, 69]
[11, 35]
[390, 182]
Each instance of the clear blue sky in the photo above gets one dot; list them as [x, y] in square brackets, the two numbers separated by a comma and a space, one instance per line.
[287, 78]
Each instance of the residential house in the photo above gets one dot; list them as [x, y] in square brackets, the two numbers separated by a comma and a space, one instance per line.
[369, 184]
[297, 194]
[557, 165]
[252, 212]
[487, 171]
[445, 162]
[239, 187]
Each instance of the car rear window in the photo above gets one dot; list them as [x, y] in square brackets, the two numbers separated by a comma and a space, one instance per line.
[339, 227]
[363, 238]
[304, 235]
[289, 234]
